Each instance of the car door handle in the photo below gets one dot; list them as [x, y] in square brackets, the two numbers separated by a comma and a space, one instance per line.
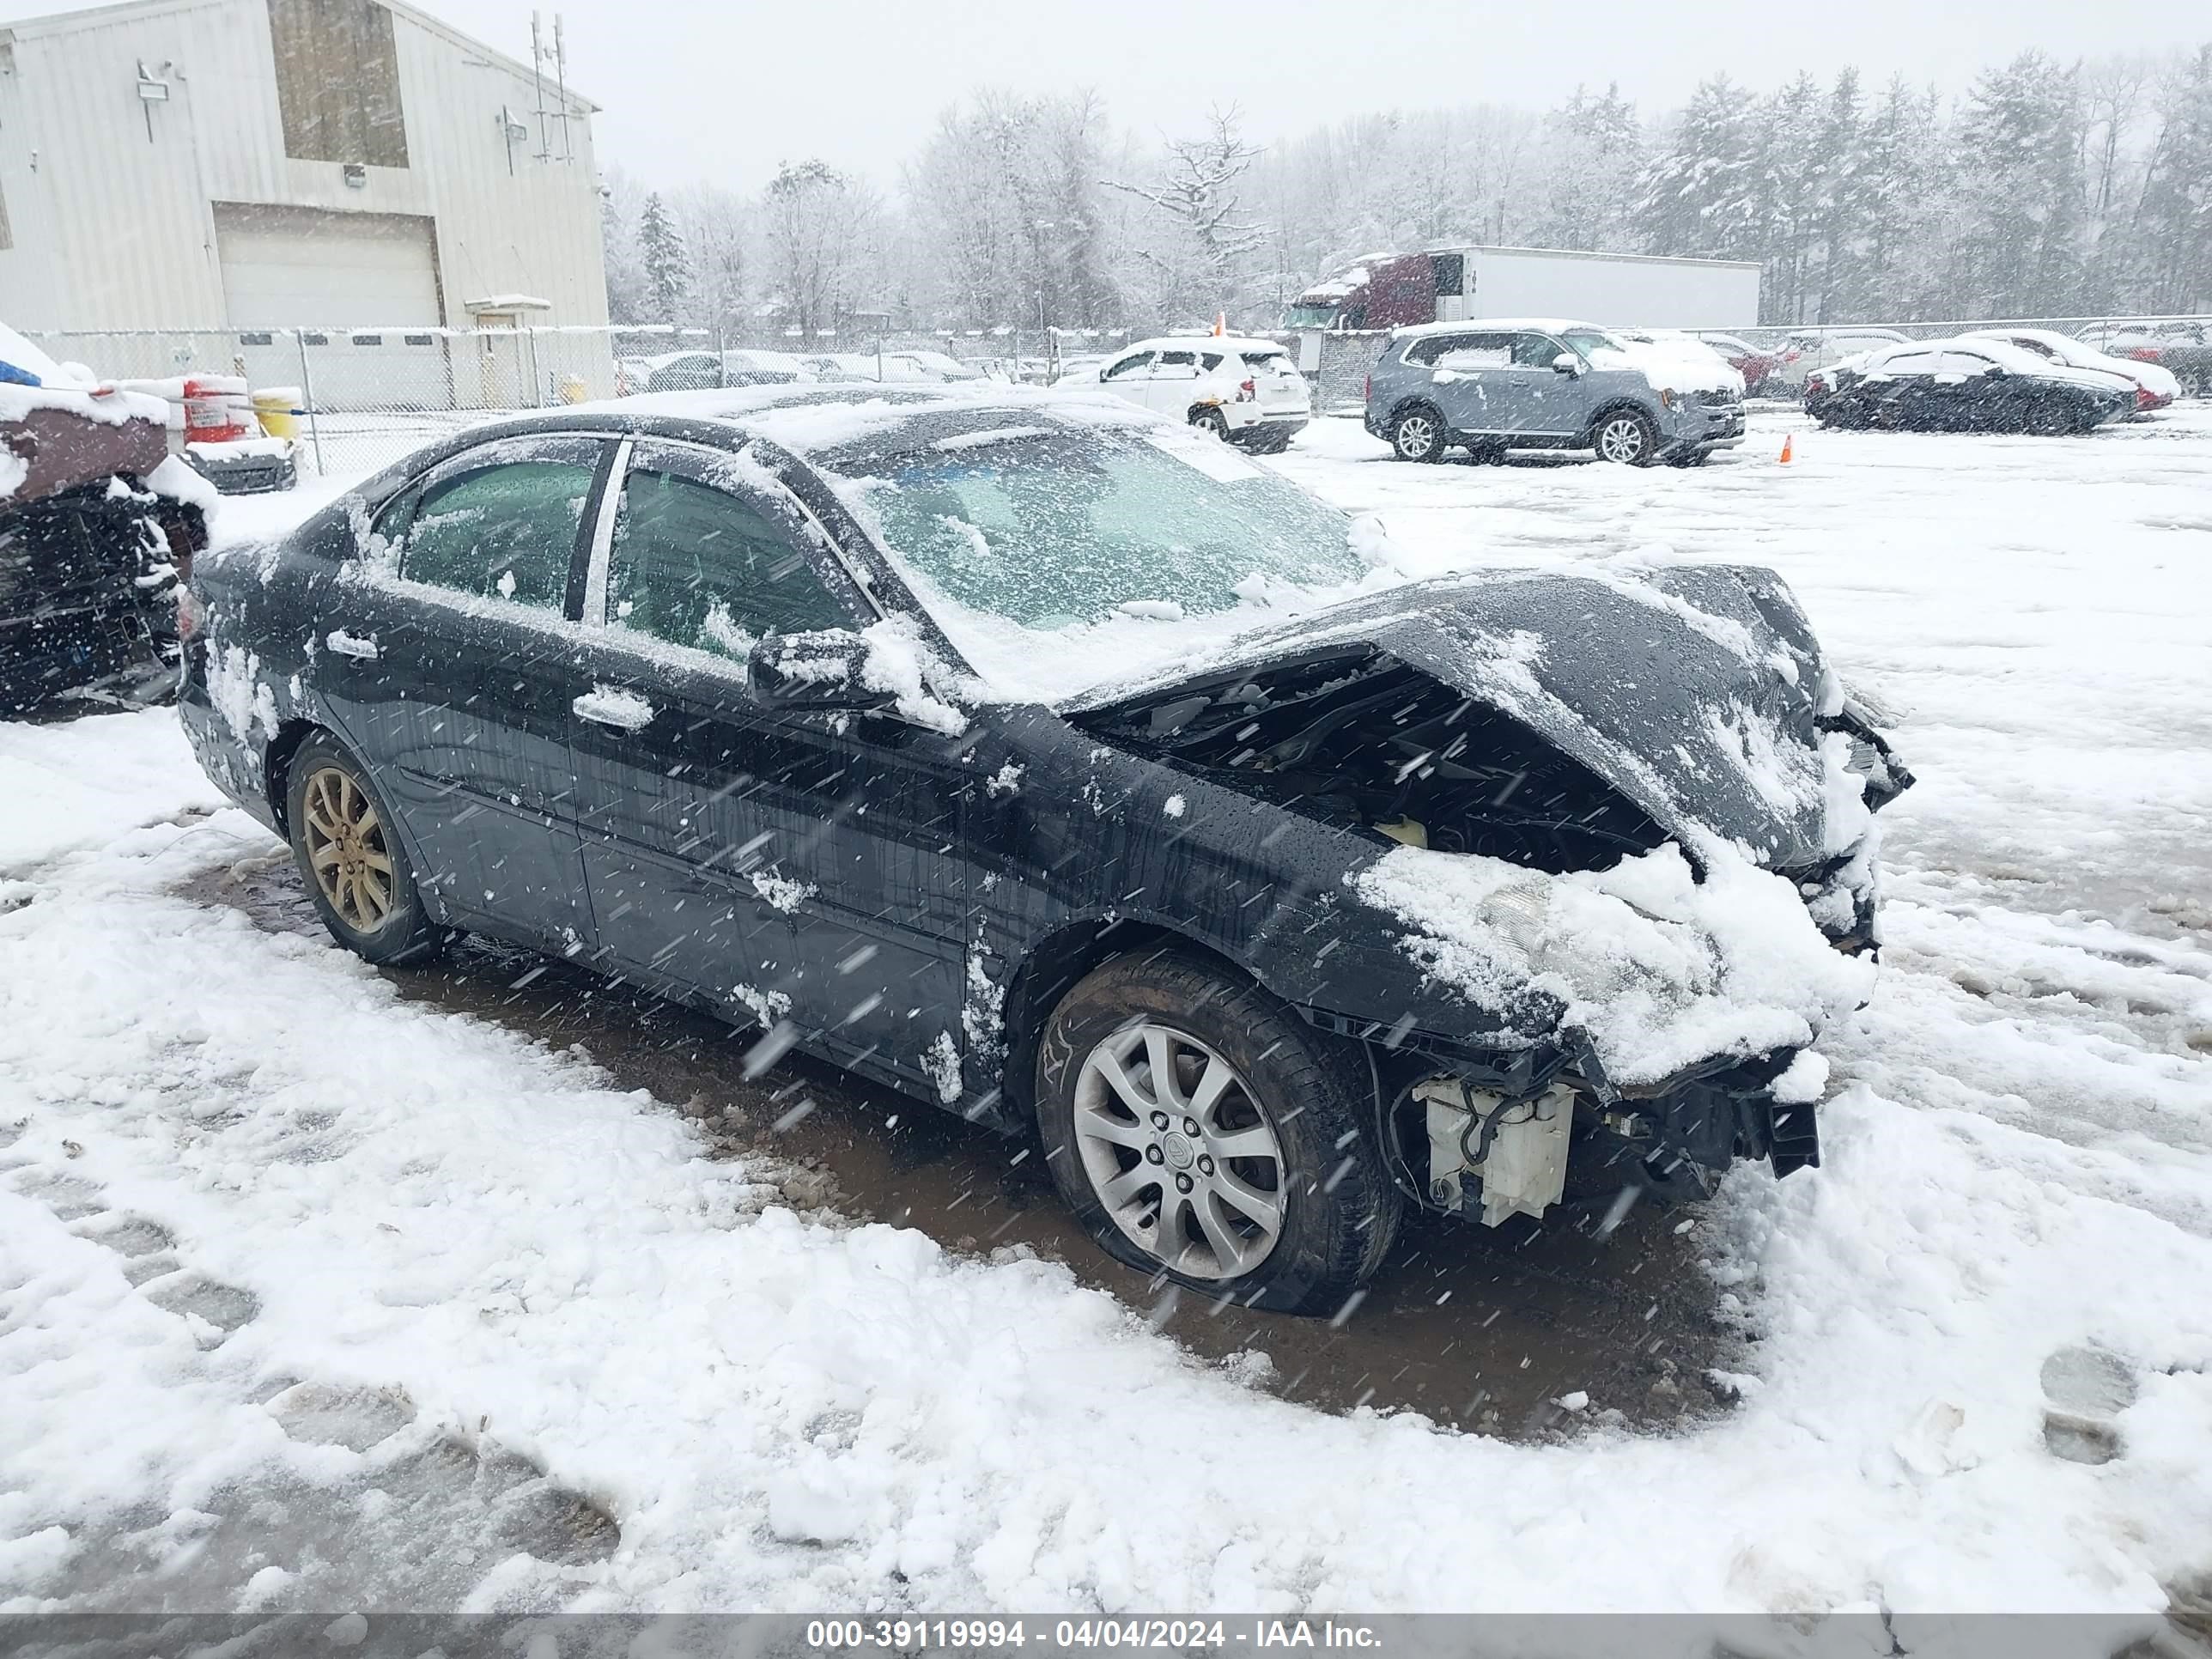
[360, 647]
[614, 706]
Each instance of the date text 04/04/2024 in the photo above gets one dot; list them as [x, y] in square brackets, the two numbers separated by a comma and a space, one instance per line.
[916, 1635]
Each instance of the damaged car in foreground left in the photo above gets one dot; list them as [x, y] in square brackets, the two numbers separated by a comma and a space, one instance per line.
[1056, 765]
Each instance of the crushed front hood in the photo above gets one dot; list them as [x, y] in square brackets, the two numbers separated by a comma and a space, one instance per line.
[1693, 689]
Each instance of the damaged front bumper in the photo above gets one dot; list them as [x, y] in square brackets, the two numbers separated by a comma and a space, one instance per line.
[1486, 1152]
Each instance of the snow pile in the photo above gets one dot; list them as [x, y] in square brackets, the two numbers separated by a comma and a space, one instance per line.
[52, 802]
[39, 382]
[1655, 969]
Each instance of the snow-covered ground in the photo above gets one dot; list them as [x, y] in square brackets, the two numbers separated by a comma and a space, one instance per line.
[313, 1295]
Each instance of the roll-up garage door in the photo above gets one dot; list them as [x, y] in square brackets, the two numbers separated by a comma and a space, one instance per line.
[364, 285]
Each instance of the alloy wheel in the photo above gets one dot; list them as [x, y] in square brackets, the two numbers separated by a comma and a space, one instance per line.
[1178, 1151]
[1416, 437]
[347, 850]
[1622, 439]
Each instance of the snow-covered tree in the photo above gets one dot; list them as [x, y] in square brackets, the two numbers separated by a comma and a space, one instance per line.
[1202, 241]
[2173, 225]
[821, 228]
[2022, 205]
[1592, 154]
[716, 228]
[622, 200]
[667, 265]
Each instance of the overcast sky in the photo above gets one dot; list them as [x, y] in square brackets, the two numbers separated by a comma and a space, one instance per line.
[722, 92]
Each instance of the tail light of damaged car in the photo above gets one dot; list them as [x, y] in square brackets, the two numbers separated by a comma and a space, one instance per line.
[1046, 761]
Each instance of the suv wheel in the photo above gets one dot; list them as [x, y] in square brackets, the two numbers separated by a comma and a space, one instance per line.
[1209, 419]
[1626, 437]
[1418, 435]
[1196, 1131]
[355, 869]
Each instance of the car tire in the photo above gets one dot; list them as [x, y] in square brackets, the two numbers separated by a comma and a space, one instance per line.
[1626, 437]
[1209, 419]
[351, 858]
[1418, 433]
[1297, 1221]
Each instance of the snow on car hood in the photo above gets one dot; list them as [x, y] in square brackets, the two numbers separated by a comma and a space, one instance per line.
[1694, 690]
[1674, 365]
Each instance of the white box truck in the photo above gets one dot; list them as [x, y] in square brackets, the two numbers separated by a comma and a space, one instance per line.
[1444, 285]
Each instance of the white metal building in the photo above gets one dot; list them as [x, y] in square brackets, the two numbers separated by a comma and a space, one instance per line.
[352, 166]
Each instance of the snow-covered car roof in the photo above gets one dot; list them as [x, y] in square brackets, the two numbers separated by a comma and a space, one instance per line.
[810, 419]
[2079, 353]
[1536, 324]
[1202, 342]
[2016, 360]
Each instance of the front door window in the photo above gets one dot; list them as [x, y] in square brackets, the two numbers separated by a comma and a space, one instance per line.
[696, 566]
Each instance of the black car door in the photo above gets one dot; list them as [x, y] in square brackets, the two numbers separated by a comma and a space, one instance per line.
[448, 656]
[779, 863]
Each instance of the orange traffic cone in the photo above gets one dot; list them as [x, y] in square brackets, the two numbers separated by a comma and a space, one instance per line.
[1221, 324]
[1786, 444]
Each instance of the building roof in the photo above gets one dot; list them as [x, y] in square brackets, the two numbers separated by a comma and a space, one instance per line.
[65, 21]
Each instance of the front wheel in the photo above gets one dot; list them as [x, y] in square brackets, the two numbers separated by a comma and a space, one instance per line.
[355, 869]
[1627, 438]
[1418, 435]
[1196, 1130]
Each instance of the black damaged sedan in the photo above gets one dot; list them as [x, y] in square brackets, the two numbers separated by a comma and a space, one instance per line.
[1060, 767]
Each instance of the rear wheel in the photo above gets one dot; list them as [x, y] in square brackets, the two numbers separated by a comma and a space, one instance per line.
[1196, 1130]
[1418, 435]
[355, 869]
[1625, 437]
[1209, 419]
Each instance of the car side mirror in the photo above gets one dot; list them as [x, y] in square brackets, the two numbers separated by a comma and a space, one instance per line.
[1566, 363]
[825, 669]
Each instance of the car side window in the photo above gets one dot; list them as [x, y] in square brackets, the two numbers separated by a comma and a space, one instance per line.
[1130, 366]
[504, 531]
[1965, 362]
[696, 566]
[1432, 349]
[1911, 362]
[1535, 351]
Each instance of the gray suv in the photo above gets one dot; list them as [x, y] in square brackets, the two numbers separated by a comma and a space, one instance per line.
[1544, 383]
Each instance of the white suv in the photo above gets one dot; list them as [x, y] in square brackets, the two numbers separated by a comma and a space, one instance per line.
[1248, 391]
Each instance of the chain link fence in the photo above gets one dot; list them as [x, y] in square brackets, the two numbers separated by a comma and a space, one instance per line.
[363, 398]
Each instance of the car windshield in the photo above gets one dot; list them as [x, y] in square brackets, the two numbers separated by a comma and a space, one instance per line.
[1050, 529]
[1590, 340]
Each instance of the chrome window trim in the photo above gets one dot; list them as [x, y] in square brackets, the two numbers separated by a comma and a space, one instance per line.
[603, 537]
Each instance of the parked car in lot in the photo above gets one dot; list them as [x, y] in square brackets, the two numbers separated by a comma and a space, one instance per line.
[1752, 360]
[947, 737]
[1966, 384]
[1548, 384]
[2182, 349]
[97, 518]
[1804, 350]
[2152, 386]
[1247, 391]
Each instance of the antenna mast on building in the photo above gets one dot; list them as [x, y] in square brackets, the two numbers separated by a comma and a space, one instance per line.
[558, 53]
